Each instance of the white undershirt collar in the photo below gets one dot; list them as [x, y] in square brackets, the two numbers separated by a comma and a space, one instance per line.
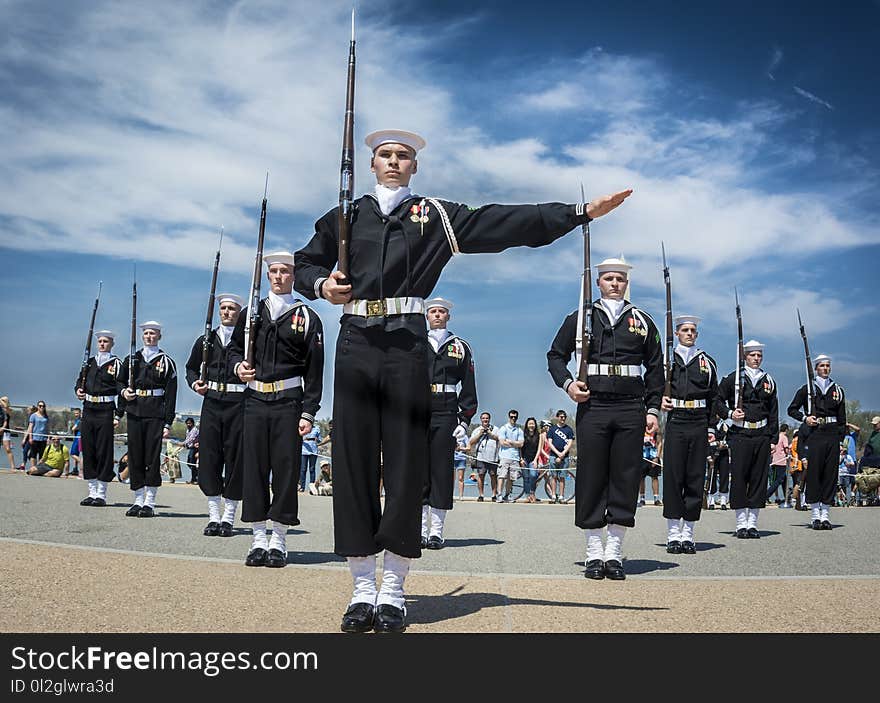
[686, 353]
[613, 308]
[102, 358]
[224, 332]
[149, 353]
[437, 337]
[754, 374]
[390, 198]
[823, 384]
[279, 304]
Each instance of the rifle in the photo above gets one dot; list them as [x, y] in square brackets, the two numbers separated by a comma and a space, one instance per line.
[88, 352]
[253, 319]
[346, 175]
[811, 378]
[667, 390]
[209, 319]
[585, 331]
[134, 304]
[740, 354]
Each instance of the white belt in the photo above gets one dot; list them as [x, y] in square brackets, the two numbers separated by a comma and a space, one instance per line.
[678, 403]
[440, 388]
[613, 370]
[750, 425]
[149, 392]
[826, 420]
[100, 398]
[387, 306]
[275, 386]
[226, 387]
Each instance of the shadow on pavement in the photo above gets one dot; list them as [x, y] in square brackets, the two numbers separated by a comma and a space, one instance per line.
[701, 546]
[763, 533]
[313, 558]
[634, 567]
[426, 610]
[477, 542]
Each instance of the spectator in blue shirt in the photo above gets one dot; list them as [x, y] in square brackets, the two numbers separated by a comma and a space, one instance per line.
[309, 456]
[561, 437]
[37, 433]
[510, 440]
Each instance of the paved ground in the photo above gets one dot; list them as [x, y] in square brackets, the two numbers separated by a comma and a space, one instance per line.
[506, 568]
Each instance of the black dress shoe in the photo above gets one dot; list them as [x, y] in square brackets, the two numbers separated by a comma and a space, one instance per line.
[256, 557]
[424, 542]
[133, 511]
[673, 547]
[816, 525]
[225, 529]
[146, 511]
[742, 533]
[826, 525]
[752, 533]
[87, 501]
[595, 569]
[98, 502]
[389, 618]
[435, 542]
[276, 559]
[358, 618]
[724, 506]
[212, 529]
[688, 547]
[614, 570]
[711, 506]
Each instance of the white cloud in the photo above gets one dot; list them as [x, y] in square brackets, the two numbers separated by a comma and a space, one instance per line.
[812, 98]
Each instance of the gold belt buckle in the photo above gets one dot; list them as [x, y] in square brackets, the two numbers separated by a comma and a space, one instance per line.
[434, 388]
[376, 308]
[221, 387]
[615, 370]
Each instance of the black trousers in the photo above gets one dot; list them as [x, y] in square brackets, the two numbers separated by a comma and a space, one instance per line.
[144, 450]
[96, 444]
[684, 468]
[438, 488]
[271, 444]
[609, 472]
[749, 469]
[381, 403]
[220, 436]
[721, 474]
[823, 463]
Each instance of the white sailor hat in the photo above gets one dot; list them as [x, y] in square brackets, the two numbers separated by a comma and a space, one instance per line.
[680, 320]
[237, 299]
[753, 345]
[618, 264]
[151, 325]
[438, 303]
[278, 257]
[105, 333]
[819, 359]
[394, 136]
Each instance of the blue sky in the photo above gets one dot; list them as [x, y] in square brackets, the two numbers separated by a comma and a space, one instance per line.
[132, 131]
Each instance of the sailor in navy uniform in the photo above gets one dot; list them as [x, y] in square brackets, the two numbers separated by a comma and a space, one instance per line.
[148, 401]
[685, 446]
[399, 244]
[825, 426]
[281, 400]
[615, 408]
[752, 429]
[452, 365]
[221, 418]
[97, 389]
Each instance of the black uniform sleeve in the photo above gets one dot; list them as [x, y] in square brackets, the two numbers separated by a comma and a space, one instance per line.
[236, 342]
[841, 414]
[653, 361]
[724, 400]
[773, 417]
[467, 397]
[561, 349]
[317, 258]
[122, 383]
[799, 401]
[494, 228]
[170, 391]
[194, 363]
[314, 376]
[713, 391]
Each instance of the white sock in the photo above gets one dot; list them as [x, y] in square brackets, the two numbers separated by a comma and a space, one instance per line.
[229, 509]
[614, 542]
[438, 517]
[595, 550]
[279, 537]
[753, 517]
[394, 571]
[139, 497]
[363, 573]
[150, 499]
[213, 508]
[260, 540]
[724, 499]
[687, 531]
[816, 511]
[101, 489]
[673, 529]
[742, 518]
[711, 499]
[93, 488]
[825, 512]
[426, 515]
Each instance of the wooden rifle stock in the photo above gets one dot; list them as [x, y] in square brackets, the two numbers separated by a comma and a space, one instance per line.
[88, 351]
[740, 354]
[346, 175]
[811, 377]
[253, 318]
[667, 390]
[131, 350]
[209, 318]
[586, 299]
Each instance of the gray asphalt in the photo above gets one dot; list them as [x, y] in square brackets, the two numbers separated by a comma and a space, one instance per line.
[481, 538]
